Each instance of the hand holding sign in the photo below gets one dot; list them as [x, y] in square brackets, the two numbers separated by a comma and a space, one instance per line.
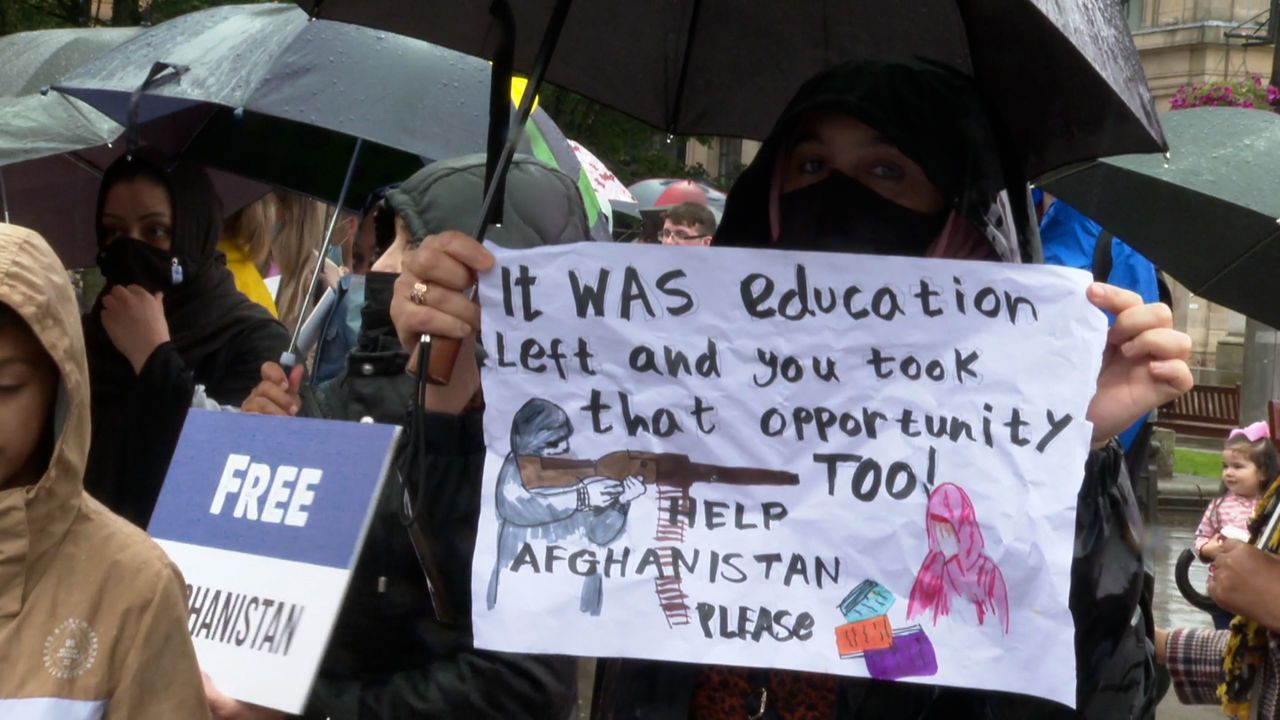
[277, 394]
[1145, 364]
[446, 264]
[225, 707]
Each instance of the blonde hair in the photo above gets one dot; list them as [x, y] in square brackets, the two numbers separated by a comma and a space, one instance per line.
[253, 227]
[302, 226]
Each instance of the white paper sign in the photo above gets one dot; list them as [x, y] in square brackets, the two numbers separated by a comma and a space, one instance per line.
[864, 466]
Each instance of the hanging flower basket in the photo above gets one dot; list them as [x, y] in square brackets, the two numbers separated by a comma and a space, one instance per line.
[1249, 92]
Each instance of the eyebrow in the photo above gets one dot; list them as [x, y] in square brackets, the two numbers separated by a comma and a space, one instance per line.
[877, 140]
[148, 216]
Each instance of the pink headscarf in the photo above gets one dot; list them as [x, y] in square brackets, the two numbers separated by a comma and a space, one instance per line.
[968, 575]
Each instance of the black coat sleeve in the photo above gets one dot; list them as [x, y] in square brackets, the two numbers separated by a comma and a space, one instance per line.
[134, 439]
[229, 376]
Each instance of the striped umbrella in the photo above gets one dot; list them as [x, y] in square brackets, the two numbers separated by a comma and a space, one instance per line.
[544, 141]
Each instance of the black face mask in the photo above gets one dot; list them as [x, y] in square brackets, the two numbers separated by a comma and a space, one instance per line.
[840, 214]
[126, 261]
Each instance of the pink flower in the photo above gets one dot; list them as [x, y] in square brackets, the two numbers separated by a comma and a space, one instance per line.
[1273, 94]
[1257, 81]
[1226, 90]
[1247, 103]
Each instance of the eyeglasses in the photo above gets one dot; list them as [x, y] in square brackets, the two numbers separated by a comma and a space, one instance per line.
[673, 235]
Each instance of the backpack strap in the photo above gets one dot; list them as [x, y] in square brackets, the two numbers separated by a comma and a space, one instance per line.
[1102, 256]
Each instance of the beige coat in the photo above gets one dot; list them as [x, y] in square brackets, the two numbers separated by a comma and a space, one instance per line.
[92, 615]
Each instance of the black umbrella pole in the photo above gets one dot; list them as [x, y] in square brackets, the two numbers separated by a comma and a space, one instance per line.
[4, 197]
[442, 355]
[289, 358]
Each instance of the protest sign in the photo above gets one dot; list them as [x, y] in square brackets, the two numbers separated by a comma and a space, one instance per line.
[265, 517]
[851, 465]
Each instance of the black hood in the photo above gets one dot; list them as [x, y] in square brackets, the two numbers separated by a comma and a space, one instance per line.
[934, 115]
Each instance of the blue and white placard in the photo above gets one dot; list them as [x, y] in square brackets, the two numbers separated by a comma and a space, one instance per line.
[265, 516]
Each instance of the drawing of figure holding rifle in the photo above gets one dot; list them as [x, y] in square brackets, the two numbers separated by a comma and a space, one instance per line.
[593, 507]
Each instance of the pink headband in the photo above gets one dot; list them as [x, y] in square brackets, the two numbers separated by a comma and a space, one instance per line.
[1255, 432]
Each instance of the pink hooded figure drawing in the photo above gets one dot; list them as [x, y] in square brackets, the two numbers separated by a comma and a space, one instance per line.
[957, 568]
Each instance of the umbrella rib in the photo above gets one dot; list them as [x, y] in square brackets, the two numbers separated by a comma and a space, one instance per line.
[1235, 263]
[75, 159]
[684, 66]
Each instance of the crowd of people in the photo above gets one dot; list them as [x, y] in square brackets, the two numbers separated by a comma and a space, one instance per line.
[854, 164]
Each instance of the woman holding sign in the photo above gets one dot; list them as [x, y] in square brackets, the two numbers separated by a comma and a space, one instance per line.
[894, 159]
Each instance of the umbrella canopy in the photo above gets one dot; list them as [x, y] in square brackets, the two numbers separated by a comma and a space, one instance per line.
[1064, 77]
[657, 193]
[37, 124]
[607, 185]
[34, 60]
[289, 97]
[273, 72]
[53, 148]
[1209, 214]
[544, 140]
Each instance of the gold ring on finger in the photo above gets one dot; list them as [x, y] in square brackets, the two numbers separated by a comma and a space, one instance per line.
[418, 295]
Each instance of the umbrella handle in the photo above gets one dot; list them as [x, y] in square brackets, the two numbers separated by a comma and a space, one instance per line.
[443, 352]
[442, 356]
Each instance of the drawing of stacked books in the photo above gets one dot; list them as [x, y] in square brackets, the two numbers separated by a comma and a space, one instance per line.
[890, 654]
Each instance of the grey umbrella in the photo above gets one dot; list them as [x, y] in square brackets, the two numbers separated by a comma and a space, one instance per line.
[37, 124]
[35, 60]
[1208, 213]
[414, 99]
[53, 147]
[1063, 76]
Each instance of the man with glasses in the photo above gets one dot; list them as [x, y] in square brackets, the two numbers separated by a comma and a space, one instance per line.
[688, 224]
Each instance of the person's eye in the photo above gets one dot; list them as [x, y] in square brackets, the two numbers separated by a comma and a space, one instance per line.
[888, 171]
[159, 232]
[812, 166]
[11, 388]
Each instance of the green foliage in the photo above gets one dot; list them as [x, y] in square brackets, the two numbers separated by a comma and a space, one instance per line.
[21, 15]
[1197, 462]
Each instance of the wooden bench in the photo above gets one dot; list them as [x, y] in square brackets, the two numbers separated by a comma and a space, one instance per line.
[1206, 411]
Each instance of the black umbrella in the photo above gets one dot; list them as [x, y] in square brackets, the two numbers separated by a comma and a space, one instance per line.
[1208, 214]
[1064, 77]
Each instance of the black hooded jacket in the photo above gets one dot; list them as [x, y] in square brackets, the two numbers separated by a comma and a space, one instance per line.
[218, 339]
[390, 657]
